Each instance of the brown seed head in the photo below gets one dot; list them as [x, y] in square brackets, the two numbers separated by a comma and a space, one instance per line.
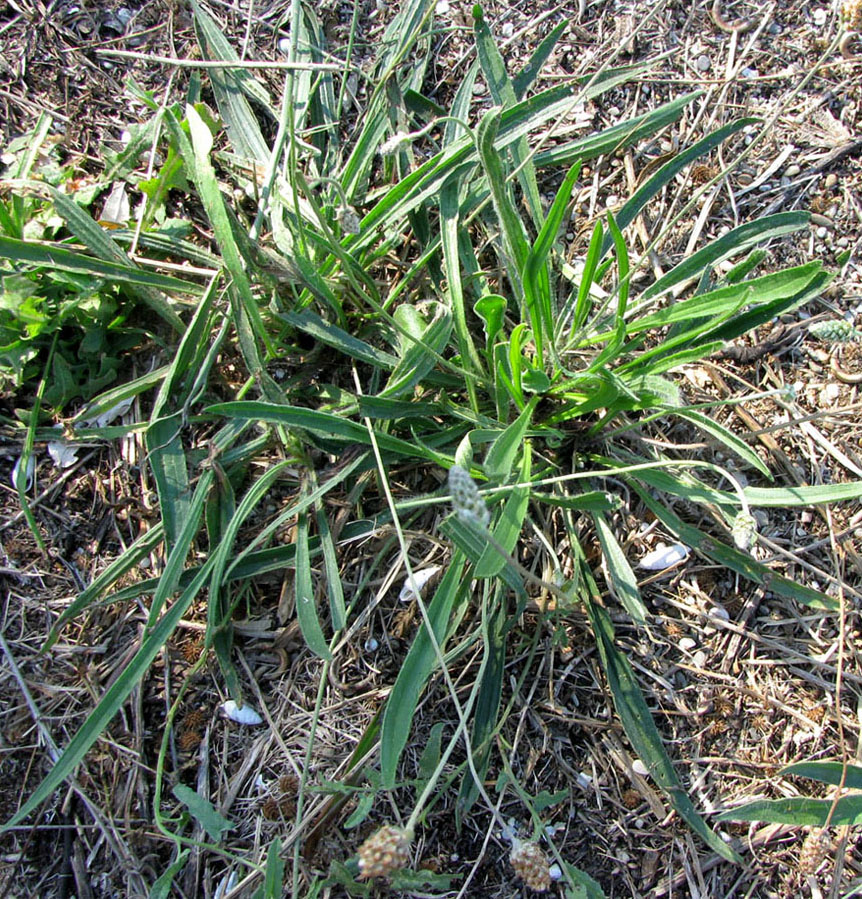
[385, 851]
[189, 740]
[851, 15]
[531, 865]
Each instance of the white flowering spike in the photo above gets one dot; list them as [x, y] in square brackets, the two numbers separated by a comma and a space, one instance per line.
[348, 220]
[744, 530]
[466, 501]
[245, 715]
[395, 144]
[837, 330]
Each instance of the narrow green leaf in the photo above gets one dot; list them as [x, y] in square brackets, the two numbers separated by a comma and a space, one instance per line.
[621, 579]
[331, 335]
[203, 811]
[523, 81]
[306, 600]
[834, 773]
[113, 699]
[640, 727]
[728, 438]
[168, 461]
[54, 256]
[508, 527]
[325, 425]
[161, 889]
[736, 241]
[734, 559]
[792, 497]
[273, 881]
[420, 662]
[800, 811]
[503, 452]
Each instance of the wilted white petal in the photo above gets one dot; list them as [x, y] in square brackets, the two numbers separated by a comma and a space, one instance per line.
[664, 557]
[31, 471]
[420, 578]
[116, 211]
[245, 715]
[109, 415]
[63, 455]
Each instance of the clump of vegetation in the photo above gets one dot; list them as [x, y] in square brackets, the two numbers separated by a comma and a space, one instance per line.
[402, 301]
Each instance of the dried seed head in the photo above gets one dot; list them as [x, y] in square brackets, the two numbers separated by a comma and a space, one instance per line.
[814, 850]
[385, 851]
[348, 220]
[189, 740]
[531, 865]
[851, 15]
[744, 531]
[837, 330]
[466, 501]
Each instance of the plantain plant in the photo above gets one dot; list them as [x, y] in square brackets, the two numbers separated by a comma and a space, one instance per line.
[418, 258]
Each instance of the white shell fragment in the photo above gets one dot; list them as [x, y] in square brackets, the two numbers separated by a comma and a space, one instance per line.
[245, 715]
[664, 557]
[420, 578]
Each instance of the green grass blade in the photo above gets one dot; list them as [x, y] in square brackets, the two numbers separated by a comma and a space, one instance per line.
[834, 773]
[167, 459]
[736, 241]
[537, 285]
[508, 527]
[332, 575]
[503, 95]
[140, 549]
[417, 361]
[305, 598]
[800, 812]
[621, 579]
[523, 81]
[417, 668]
[640, 727]
[331, 335]
[665, 175]
[728, 438]
[326, 426]
[792, 497]
[229, 87]
[54, 256]
[503, 452]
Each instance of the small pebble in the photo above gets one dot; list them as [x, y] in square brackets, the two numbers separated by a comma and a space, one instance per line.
[699, 659]
[371, 645]
[822, 232]
[831, 180]
[686, 644]
[284, 45]
[748, 72]
[508, 29]
[819, 16]
[442, 8]
[704, 63]
[792, 170]
[719, 612]
[640, 768]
